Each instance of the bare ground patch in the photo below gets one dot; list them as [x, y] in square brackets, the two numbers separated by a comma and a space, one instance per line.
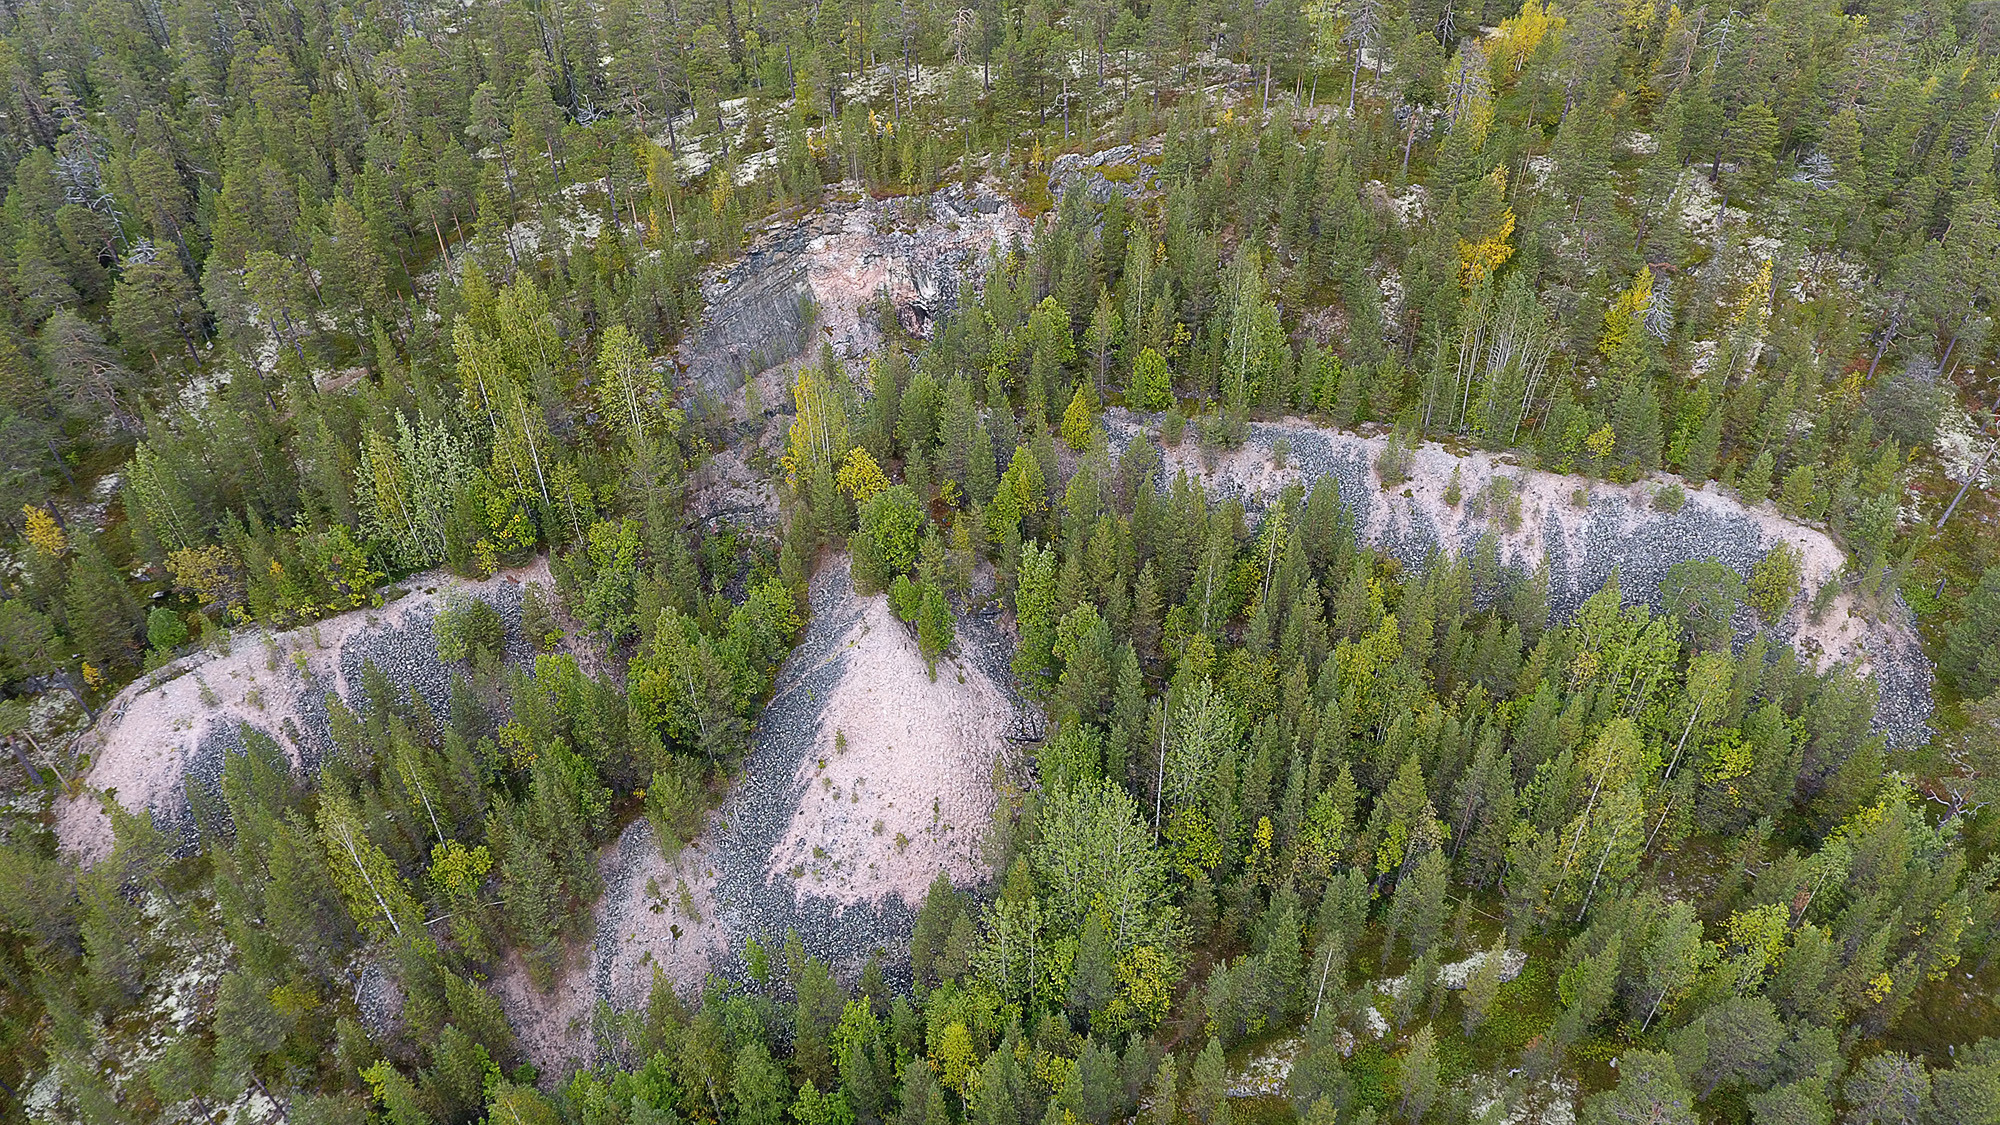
[826, 271]
[553, 1027]
[655, 914]
[795, 848]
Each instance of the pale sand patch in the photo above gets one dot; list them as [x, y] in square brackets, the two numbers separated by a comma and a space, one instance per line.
[553, 1027]
[911, 792]
[656, 914]
[140, 745]
[653, 915]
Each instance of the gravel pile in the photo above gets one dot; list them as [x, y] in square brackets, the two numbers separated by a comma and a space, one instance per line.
[1640, 544]
[636, 848]
[1903, 704]
[405, 650]
[380, 1000]
[310, 738]
[1583, 546]
[402, 646]
[752, 823]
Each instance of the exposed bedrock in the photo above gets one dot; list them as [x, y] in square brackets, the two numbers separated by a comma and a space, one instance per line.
[816, 278]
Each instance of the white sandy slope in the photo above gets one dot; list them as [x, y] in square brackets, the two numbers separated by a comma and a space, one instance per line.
[899, 786]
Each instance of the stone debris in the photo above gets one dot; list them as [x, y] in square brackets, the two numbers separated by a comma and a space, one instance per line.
[1549, 1101]
[380, 1000]
[1458, 974]
[1264, 1073]
[1374, 1023]
[754, 894]
[179, 724]
[899, 782]
[794, 847]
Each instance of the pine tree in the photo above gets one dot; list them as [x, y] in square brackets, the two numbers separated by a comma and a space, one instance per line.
[1420, 1074]
[1756, 484]
[1076, 420]
[934, 626]
[1207, 1098]
[1106, 324]
[1649, 1089]
[1151, 387]
[156, 312]
[1483, 987]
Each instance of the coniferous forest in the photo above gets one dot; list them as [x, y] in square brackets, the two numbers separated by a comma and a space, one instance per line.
[316, 318]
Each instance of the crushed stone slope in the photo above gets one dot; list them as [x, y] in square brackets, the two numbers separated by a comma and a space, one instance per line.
[1615, 529]
[182, 720]
[795, 846]
[849, 669]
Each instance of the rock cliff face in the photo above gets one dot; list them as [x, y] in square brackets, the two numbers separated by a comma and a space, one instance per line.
[831, 271]
[755, 315]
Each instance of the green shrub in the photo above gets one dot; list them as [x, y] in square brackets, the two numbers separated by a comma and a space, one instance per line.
[1152, 386]
[1393, 464]
[885, 544]
[468, 629]
[674, 804]
[1774, 582]
[165, 629]
[935, 632]
[905, 598]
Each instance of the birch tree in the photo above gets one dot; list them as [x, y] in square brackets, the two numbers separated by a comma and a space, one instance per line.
[376, 896]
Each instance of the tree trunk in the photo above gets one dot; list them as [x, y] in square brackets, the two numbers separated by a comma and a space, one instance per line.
[34, 775]
[1978, 471]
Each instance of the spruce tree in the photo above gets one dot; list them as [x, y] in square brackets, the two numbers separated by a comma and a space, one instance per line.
[99, 609]
[1972, 649]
